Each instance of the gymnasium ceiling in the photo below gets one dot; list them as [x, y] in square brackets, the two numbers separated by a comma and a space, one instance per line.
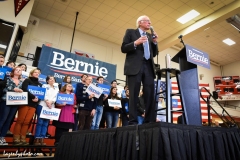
[109, 19]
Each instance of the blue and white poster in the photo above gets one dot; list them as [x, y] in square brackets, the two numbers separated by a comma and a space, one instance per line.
[61, 63]
[8, 70]
[16, 98]
[65, 98]
[114, 103]
[105, 88]
[48, 113]
[92, 89]
[42, 79]
[39, 92]
[2, 72]
[197, 57]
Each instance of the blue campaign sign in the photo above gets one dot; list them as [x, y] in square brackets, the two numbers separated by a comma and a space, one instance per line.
[105, 88]
[8, 70]
[37, 91]
[174, 103]
[74, 85]
[67, 98]
[42, 79]
[61, 63]
[2, 72]
[197, 57]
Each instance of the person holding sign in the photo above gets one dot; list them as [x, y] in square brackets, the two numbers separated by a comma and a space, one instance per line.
[49, 102]
[26, 112]
[66, 118]
[7, 112]
[87, 105]
[112, 112]
[99, 109]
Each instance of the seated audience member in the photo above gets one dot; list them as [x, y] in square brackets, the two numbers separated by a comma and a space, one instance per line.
[141, 108]
[26, 112]
[161, 115]
[87, 105]
[65, 122]
[99, 109]
[48, 102]
[7, 112]
[112, 113]
[125, 109]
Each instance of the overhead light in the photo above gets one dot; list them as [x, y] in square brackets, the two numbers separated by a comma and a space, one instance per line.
[188, 16]
[229, 41]
[3, 46]
[234, 21]
[7, 24]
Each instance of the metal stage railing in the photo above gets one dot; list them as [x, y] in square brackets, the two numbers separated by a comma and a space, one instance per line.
[226, 118]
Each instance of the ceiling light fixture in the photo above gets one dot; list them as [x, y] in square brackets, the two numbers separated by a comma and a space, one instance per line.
[234, 21]
[188, 16]
[229, 42]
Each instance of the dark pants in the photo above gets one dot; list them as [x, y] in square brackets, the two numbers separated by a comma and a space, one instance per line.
[58, 133]
[85, 120]
[125, 120]
[146, 76]
[76, 117]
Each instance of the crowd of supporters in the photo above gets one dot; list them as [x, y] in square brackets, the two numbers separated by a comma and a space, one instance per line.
[86, 112]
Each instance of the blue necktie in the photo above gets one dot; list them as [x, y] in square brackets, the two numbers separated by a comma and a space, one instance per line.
[146, 48]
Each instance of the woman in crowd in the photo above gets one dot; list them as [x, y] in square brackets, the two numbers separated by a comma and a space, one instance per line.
[7, 112]
[65, 122]
[66, 79]
[10, 64]
[23, 66]
[112, 113]
[26, 112]
[49, 102]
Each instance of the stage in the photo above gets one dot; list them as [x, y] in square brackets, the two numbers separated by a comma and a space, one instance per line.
[151, 142]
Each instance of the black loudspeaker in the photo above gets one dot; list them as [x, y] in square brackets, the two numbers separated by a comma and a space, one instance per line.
[37, 56]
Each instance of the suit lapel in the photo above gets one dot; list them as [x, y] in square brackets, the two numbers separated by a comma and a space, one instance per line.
[137, 33]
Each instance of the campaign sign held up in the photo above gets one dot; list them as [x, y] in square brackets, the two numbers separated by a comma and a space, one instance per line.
[67, 98]
[48, 113]
[197, 57]
[60, 63]
[74, 85]
[16, 98]
[2, 72]
[42, 79]
[105, 88]
[37, 91]
[114, 103]
[25, 74]
[92, 89]
[8, 70]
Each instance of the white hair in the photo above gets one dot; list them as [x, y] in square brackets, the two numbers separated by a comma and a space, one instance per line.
[139, 19]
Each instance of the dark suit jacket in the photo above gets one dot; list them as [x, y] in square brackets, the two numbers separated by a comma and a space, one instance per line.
[134, 56]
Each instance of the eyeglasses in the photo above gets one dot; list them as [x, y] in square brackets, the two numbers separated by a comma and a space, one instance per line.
[146, 21]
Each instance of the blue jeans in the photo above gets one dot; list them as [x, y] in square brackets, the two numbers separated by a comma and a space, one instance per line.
[140, 120]
[97, 118]
[111, 119]
[6, 115]
[42, 124]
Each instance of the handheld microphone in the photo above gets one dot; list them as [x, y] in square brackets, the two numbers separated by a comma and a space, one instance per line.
[179, 37]
[152, 32]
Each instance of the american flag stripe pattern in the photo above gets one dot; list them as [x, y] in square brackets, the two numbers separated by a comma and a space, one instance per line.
[202, 103]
